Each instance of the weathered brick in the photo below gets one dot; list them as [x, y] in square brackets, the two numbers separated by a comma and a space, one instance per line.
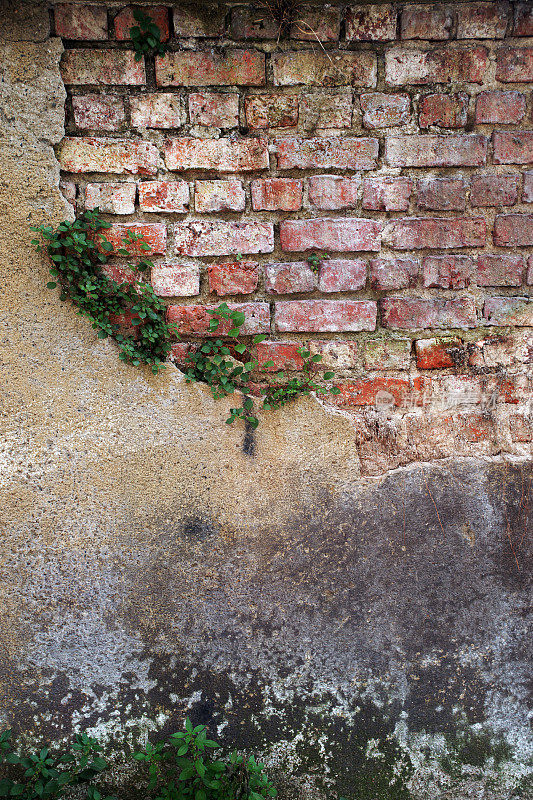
[372, 23]
[120, 273]
[316, 316]
[199, 21]
[327, 152]
[385, 110]
[175, 280]
[339, 235]
[331, 192]
[102, 68]
[313, 68]
[284, 355]
[208, 68]
[111, 198]
[211, 196]
[393, 273]
[426, 22]
[494, 190]
[495, 269]
[416, 233]
[523, 19]
[527, 196]
[253, 23]
[223, 155]
[514, 147]
[447, 272]
[98, 112]
[220, 238]
[433, 150]
[513, 230]
[444, 110]
[411, 313]
[317, 24]
[164, 196]
[289, 278]
[441, 194]
[180, 351]
[69, 191]
[530, 271]
[236, 277]
[387, 354]
[157, 111]
[501, 351]
[336, 354]
[276, 194]
[521, 428]
[514, 64]
[326, 108]
[508, 311]
[506, 108]
[482, 20]
[214, 109]
[125, 20]
[442, 353]
[387, 194]
[90, 154]
[194, 320]
[80, 22]
[154, 235]
[271, 111]
[342, 275]
[373, 391]
[450, 64]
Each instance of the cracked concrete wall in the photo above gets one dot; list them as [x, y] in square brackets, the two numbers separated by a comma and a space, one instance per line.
[153, 564]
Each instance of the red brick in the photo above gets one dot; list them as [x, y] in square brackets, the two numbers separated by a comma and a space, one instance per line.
[253, 23]
[395, 273]
[125, 20]
[495, 269]
[98, 112]
[335, 354]
[444, 110]
[180, 352]
[317, 24]
[326, 108]
[289, 278]
[120, 273]
[89, 154]
[447, 272]
[339, 235]
[154, 235]
[342, 275]
[494, 190]
[523, 19]
[374, 390]
[334, 68]
[385, 110]
[433, 150]
[439, 353]
[327, 153]
[211, 196]
[372, 23]
[405, 313]
[450, 64]
[208, 68]
[271, 111]
[509, 311]
[285, 356]
[317, 316]
[222, 155]
[387, 354]
[164, 196]
[506, 108]
[426, 22]
[514, 147]
[276, 194]
[387, 194]
[333, 191]
[111, 198]
[527, 196]
[482, 20]
[69, 191]
[514, 64]
[237, 277]
[441, 194]
[220, 238]
[521, 428]
[214, 109]
[102, 68]
[175, 280]
[193, 21]
[416, 233]
[80, 22]
[194, 320]
[157, 111]
[513, 230]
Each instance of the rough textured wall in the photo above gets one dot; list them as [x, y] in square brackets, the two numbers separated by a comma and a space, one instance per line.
[349, 619]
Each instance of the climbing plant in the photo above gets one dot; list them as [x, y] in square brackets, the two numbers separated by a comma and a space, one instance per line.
[146, 36]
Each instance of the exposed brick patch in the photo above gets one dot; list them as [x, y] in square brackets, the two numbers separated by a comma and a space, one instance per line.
[444, 110]
[523, 19]
[428, 150]
[214, 109]
[164, 196]
[385, 110]
[441, 194]
[447, 272]
[211, 196]
[271, 111]
[234, 67]
[426, 22]
[499, 270]
[514, 64]
[387, 194]
[324, 69]
[108, 155]
[157, 111]
[494, 190]
[312, 24]
[507, 108]
[125, 20]
[276, 194]
[102, 68]
[450, 64]
[418, 233]
[393, 273]
[339, 235]
[482, 20]
[325, 315]
[411, 313]
[508, 311]
[327, 152]
[111, 198]
[372, 23]
[87, 22]
[513, 230]
[381, 354]
[224, 155]
[513, 148]
[284, 355]
[189, 21]
[154, 235]
[342, 275]
[221, 238]
[98, 112]
[438, 353]
[289, 278]
[329, 108]
[330, 192]
[175, 280]
[237, 277]
[194, 320]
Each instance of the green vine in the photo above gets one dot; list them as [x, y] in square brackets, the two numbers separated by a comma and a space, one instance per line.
[146, 36]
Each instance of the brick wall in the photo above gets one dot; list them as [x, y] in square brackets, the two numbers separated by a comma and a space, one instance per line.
[397, 138]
